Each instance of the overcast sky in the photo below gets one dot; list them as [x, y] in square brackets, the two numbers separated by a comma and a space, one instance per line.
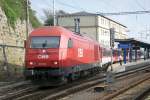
[135, 23]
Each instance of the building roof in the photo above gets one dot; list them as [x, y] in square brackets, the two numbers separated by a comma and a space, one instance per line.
[83, 13]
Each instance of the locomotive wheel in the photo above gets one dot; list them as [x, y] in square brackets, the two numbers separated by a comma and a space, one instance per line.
[64, 79]
[71, 78]
[74, 76]
[82, 74]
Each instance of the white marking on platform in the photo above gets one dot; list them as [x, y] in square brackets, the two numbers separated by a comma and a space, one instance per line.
[117, 68]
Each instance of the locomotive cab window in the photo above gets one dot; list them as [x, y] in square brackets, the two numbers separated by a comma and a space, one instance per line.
[45, 42]
[70, 43]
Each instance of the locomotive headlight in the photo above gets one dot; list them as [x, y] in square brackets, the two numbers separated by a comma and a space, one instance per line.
[31, 63]
[55, 62]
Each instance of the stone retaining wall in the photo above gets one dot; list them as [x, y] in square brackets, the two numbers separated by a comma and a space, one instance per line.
[11, 37]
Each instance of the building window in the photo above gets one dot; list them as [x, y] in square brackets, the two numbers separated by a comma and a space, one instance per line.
[105, 33]
[102, 31]
[105, 21]
[102, 21]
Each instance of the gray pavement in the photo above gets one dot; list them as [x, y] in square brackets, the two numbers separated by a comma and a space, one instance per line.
[129, 65]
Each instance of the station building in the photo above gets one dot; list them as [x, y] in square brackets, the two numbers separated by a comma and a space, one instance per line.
[93, 25]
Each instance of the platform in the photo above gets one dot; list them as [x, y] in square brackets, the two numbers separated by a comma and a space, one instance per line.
[129, 65]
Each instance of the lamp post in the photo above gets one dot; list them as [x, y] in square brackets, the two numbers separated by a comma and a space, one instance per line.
[27, 19]
[54, 15]
[112, 39]
[110, 75]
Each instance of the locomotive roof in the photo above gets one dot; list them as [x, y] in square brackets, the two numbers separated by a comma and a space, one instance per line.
[57, 31]
[48, 30]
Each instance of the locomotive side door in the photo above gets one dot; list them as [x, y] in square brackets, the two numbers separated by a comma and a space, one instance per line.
[70, 50]
[96, 54]
[100, 54]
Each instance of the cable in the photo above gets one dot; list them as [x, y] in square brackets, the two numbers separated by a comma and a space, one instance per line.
[48, 4]
[67, 5]
[78, 5]
[137, 2]
[108, 3]
[125, 13]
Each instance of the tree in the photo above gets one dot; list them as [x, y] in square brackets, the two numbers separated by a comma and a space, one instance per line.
[49, 16]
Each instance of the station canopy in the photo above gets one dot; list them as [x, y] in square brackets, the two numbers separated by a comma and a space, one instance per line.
[133, 42]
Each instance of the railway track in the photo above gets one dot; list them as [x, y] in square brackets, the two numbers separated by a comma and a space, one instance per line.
[145, 96]
[50, 93]
[89, 94]
[132, 91]
[12, 95]
[120, 83]
[15, 86]
[145, 93]
[13, 90]
[22, 89]
[45, 91]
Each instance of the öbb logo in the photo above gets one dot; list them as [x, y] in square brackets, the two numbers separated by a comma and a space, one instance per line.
[43, 56]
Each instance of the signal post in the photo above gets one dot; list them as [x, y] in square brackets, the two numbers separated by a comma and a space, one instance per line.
[110, 77]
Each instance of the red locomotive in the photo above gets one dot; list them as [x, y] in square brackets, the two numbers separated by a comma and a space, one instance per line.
[56, 54]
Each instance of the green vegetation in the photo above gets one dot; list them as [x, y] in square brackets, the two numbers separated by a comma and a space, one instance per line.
[49, 16]
[15, 9]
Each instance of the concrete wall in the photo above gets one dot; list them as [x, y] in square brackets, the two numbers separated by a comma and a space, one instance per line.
[104, 37]
[85, 21]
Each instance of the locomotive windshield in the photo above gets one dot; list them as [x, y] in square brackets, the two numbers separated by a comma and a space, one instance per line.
[45, 42]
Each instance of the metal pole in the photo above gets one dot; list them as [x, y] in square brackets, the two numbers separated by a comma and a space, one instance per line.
[27, 19]
[112, 37]
[109, 75]
[111, 58]
[54, 16]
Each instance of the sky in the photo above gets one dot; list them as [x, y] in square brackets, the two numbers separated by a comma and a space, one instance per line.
[137, 24]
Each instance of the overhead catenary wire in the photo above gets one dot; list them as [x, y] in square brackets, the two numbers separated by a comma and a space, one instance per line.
[67, 5]
[49, 4]
[108, 4]
[112, 14]
[137, 2]
[125, 13]
[78, 5]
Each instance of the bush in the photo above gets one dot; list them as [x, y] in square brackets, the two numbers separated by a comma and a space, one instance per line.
[16, 9]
